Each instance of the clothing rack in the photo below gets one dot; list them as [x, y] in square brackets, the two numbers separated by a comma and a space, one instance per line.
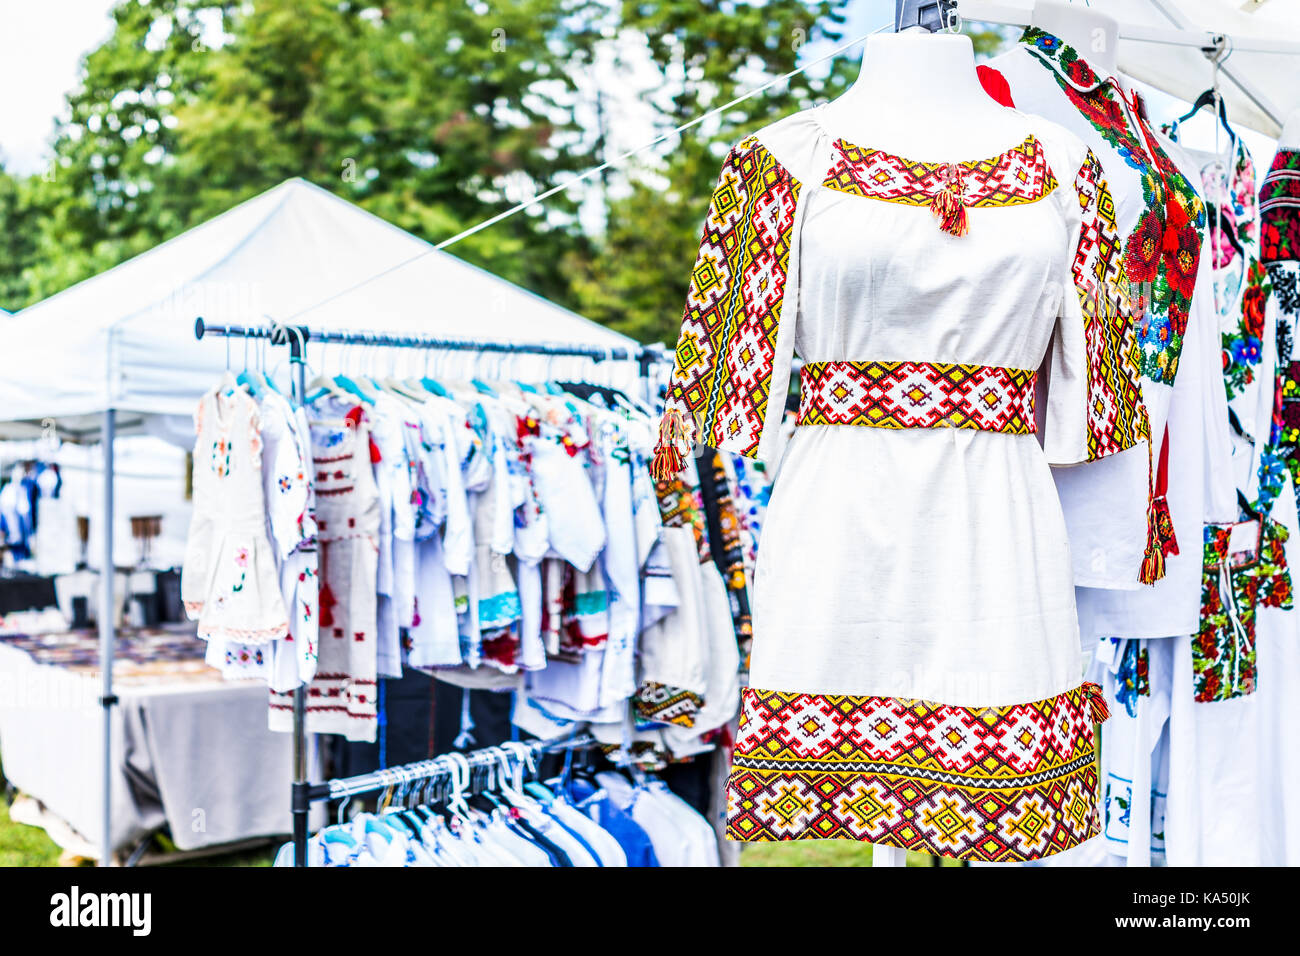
[425, 771]
[296, 337]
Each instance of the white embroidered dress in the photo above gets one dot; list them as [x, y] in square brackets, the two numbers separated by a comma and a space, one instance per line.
[916, 672]
[230, 583]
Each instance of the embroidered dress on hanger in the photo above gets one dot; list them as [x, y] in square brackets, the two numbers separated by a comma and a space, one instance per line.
[916, 670]
[229, 581]
[1160, 219]
[342, 697]
[1279, 208]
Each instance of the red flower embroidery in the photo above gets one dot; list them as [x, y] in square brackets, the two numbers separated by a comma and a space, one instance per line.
[1181, 254]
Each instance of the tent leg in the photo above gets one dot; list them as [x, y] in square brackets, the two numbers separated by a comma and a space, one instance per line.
[300, 801]
[106, 636]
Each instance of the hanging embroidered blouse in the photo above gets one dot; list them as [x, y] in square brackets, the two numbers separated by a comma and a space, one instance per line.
[1160, 217]
[916, 666]
[1161, 220]
[1245, 569]
[1253, 366]
[229, 582]
[342, 696]
[1279, 210]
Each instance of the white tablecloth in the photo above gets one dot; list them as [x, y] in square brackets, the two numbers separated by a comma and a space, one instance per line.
[189, 752]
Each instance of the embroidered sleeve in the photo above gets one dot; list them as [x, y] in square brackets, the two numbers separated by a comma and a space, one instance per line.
[728, 383]
[1095, 407]
[1117, 418]
[1279, 208]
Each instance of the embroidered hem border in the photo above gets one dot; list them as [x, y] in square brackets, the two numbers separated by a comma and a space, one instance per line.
[996, 784]
[917, 395]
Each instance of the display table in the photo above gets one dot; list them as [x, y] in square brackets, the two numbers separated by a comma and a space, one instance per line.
[190, 751]
[25, 592]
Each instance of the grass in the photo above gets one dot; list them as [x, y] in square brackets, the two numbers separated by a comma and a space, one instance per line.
[23, 845]
[834, 853]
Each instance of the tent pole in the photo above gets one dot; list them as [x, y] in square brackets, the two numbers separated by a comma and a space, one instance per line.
[106, 636]
[300, 802]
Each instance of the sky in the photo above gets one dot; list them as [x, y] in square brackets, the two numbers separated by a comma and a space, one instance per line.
[41, 46]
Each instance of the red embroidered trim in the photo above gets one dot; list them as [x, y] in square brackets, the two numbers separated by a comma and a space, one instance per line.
[244, 635]
[1017, 176]
[917, 395]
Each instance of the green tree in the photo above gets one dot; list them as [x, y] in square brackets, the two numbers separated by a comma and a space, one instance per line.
[707, 53]
[431, 113]
[19, 222]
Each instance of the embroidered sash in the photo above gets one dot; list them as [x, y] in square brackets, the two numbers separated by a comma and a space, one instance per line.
[917, 395]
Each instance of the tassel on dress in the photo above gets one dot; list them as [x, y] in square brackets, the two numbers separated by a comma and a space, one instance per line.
[1096, 702]
[1161, 540]
[948, 203]
[670, 450]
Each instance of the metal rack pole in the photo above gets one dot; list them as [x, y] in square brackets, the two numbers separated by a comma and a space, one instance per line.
[107, 635]
[345, 337]
[344, 787]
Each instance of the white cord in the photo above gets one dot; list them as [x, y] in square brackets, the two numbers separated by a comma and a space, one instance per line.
[595, 170]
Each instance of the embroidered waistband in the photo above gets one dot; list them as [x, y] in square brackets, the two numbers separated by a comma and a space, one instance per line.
[917, 395]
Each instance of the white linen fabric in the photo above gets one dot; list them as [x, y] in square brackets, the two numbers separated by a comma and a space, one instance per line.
[982, 612]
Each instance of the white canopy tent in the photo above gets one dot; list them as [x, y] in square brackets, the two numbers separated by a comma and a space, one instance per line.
[1161, 43]
[119, 350]
[125, 339]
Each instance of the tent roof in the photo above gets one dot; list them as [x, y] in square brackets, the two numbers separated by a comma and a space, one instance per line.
[1271, 90]
[124, 339]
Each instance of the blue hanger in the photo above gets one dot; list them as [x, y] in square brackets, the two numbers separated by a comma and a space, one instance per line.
[248, 382]
[483, 387]
[338, 835]
[434, 387]
[345, 383]
[540, 791]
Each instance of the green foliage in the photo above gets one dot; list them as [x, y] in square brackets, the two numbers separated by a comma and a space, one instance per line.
[19, 225]
[431, 113]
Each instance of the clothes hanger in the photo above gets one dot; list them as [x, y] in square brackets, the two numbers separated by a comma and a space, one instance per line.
[349, 384]
[323, 384]
[245, 378]
[1212, 209]
[1212, 96]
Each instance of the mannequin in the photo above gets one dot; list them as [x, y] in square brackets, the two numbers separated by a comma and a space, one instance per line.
[1095, 35]
[932, 99]
[916, 94]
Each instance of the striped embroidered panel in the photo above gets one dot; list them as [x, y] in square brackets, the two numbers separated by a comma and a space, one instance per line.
[917, 395]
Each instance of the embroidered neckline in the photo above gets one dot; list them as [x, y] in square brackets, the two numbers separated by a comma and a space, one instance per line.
[1015, 176]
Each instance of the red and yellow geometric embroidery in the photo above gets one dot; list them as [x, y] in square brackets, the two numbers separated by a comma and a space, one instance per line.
[997, 784]
[917, 395]
[1117, 419]
[725, 352]
[1019, 175]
